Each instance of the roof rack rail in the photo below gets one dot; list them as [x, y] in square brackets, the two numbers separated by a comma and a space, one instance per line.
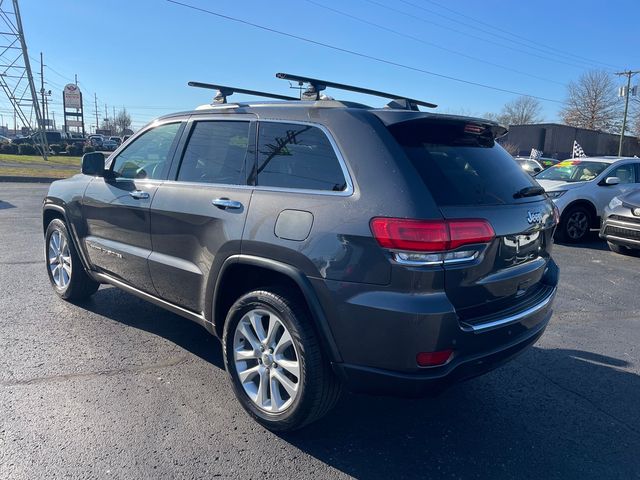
[316, 86]
[223, 92]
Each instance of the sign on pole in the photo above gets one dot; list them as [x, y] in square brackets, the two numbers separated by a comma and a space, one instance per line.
[72, 97]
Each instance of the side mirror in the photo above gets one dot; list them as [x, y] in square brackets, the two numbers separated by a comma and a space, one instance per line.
[537, 170]
[93, 164]
[612, 181]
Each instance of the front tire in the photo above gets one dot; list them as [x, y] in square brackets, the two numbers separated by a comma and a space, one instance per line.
[66, 272]
[275, 362]
[574, 225]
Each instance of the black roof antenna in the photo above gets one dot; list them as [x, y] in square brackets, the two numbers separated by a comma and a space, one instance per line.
[223, 92]
[316, 86]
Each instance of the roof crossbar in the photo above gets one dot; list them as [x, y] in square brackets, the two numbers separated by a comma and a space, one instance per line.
[223, 92]
[316, 86]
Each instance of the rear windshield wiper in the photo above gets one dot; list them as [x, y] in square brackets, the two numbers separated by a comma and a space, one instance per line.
[531, 191]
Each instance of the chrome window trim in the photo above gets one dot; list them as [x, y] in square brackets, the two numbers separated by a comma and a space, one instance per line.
[347, 192]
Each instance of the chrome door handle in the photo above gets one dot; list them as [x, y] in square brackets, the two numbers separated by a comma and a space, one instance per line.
[225, 203]
[139, 195]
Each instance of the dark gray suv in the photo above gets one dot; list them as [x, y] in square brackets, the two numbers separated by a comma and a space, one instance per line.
[326, 243]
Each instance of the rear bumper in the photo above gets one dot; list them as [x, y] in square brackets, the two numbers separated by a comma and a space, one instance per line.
[379, 333]
[431, 381]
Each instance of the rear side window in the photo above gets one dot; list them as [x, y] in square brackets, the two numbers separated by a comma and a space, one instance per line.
[460, 166]
[216, 153]
[297, 156]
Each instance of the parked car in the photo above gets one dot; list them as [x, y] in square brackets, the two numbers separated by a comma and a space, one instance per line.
[4, 139]
[582, 187]
[118, 140]
[109, 145]
[125, 138]
[529, 165]
[34, 138]
[621, 225]
[327, 244]
[95, 140]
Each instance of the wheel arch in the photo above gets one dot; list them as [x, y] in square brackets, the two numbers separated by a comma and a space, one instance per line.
[51, 211]
[593, 212]
[240, 274]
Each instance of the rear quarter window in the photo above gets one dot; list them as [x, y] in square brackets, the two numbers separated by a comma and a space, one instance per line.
[297, 156]
[458, 167]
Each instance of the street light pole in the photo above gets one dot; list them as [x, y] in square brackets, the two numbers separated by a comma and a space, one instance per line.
[628, 74]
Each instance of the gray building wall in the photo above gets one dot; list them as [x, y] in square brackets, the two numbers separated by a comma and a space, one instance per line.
[556, 140]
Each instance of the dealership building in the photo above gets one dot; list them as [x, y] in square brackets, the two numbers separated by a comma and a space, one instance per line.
[556, 141]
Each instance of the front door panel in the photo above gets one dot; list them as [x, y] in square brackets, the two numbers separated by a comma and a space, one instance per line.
[118, 239]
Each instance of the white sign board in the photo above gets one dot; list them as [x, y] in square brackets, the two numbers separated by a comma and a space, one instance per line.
[72, 98]
[74, 123]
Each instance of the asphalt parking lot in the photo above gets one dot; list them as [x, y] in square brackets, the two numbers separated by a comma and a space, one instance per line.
[118, 388]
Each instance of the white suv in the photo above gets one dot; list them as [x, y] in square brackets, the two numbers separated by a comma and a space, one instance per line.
[582, 187]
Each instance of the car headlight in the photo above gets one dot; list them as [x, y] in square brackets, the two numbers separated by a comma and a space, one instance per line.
[556, 194]
[615, 202]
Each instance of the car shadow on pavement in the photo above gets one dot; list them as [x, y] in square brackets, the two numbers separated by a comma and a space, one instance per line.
[549, 414]
[134, 312]
[593, 242]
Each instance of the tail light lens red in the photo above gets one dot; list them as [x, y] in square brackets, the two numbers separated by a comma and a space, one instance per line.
[433, 359]
[430, 235]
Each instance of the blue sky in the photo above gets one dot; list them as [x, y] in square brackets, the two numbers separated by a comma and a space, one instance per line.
[141, 54]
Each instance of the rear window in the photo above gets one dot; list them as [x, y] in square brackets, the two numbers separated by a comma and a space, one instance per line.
[461, 164]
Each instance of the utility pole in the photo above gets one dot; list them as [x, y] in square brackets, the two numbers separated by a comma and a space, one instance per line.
[626, 94]
[44, 108]
[95, 101]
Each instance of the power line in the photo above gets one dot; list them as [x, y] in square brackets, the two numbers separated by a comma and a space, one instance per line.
[466, 33]
[358, 54]
[552, 49]
[435, 45]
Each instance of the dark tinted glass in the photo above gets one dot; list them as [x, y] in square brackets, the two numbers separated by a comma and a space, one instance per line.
[148, 155]
[297, 156]
[216, 153]
[461, 166]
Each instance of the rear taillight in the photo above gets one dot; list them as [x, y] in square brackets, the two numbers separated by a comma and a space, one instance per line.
[430, 235]
[433, 359]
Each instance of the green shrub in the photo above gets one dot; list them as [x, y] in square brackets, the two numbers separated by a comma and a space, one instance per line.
[88, 149]
[55, 148]
[74, 150]
[9, 148]
[26, 149]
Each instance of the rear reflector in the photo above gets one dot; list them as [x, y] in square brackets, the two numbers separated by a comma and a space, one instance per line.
[429, 235]
[432, 359]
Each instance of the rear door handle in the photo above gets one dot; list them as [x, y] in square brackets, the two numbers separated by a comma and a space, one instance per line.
[224, 203]
[139, 194]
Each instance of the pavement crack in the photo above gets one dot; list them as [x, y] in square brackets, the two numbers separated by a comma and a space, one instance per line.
[90, 375]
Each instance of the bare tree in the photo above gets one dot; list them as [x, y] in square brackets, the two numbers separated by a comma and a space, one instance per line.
[592, 103]
[511, 148]
[122, 121]
[521, 111]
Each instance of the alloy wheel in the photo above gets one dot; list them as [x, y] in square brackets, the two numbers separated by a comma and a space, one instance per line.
[266, 361]
[577, 225]
[59, 258]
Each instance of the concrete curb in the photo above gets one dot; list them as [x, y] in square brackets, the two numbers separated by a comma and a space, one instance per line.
[17, 179]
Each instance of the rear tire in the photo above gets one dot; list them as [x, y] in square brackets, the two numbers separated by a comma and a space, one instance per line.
[282, 380]
[64, 268]
[575, 225]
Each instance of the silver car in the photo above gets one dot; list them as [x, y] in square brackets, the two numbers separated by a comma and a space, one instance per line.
[621, 224]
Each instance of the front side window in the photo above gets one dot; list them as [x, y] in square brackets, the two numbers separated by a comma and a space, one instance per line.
[626, 173]
[216, 153]
[147, 157]
[299, 157]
